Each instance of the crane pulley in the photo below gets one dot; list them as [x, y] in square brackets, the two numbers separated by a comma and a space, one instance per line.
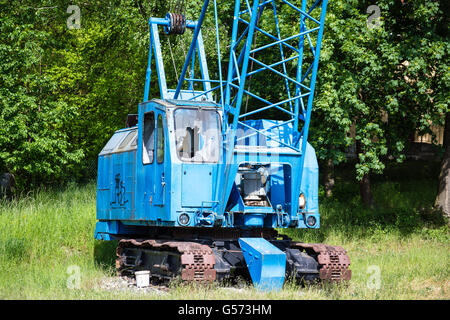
[177, 17]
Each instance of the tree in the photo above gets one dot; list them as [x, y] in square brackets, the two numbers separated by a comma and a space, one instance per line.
[387, 81]
[64, 92]
[443, 196]
[355, 67]
[34, 145]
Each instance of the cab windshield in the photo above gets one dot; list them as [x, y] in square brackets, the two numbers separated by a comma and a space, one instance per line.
[197, 133]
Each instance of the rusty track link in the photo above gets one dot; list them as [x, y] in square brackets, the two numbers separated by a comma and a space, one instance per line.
[197, 260]
[333, 260]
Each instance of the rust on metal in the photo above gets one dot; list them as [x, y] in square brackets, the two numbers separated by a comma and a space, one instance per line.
[197, 260]
[333, 260]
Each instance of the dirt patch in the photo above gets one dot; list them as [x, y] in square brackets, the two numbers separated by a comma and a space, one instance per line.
[128, 284]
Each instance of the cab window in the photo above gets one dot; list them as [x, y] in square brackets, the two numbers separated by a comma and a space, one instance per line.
[148, 139]
[160, 142]
[197, 133]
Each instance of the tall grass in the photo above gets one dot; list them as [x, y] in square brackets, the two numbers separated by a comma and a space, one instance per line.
[45, 233]
[41, 235]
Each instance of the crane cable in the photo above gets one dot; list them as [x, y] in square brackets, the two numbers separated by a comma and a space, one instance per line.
[173, 61]
[179, 6]
[177, 14]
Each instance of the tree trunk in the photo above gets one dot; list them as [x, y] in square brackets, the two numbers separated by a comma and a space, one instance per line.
[329, 177]
[365, 189]
[443, 196]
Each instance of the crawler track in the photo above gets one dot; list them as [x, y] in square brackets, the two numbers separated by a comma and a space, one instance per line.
[167, 259]
[333, 260]
[198, 262]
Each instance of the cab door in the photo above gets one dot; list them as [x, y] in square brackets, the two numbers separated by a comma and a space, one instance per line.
[146, 165]
[160, 179]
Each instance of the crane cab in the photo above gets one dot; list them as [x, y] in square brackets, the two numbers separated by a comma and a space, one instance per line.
[165, 170]
[160, 172]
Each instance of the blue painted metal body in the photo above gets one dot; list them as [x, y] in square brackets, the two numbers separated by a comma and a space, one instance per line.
[148, 176]
[265, 262]
[131, 193]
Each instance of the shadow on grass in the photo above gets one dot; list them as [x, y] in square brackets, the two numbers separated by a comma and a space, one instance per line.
[357, 222]
[404, 200]
[105, 255]
[17, 249]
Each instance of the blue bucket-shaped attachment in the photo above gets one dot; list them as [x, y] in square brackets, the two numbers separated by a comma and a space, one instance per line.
[265, 262]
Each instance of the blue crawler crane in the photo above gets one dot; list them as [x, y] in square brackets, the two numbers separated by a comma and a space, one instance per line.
[202, 177]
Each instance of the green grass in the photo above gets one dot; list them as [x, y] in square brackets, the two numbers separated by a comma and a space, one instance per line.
[45, 233]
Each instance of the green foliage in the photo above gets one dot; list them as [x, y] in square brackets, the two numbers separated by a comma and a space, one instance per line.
[64, 92]
[34, 144]
[404, 195]
[387, 81]
[45, 233]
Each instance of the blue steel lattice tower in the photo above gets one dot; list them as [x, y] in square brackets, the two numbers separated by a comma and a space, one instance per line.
[197, 187]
